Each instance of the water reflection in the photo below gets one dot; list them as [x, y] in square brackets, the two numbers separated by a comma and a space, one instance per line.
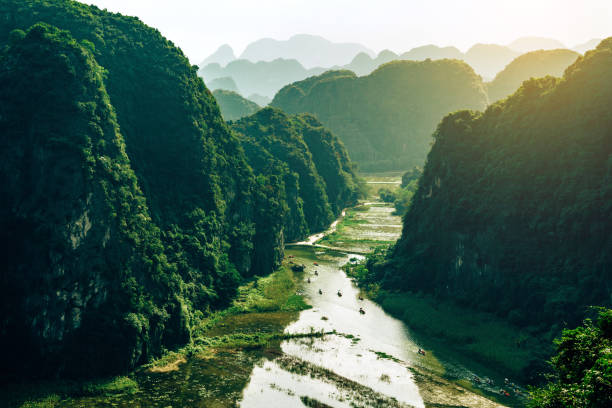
[354, 355]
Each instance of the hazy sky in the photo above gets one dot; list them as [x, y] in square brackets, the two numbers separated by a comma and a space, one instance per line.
[198, 27]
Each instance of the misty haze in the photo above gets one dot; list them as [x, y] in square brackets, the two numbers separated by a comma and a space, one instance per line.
[324, 204]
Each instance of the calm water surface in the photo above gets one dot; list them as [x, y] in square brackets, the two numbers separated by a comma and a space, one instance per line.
[354, 354]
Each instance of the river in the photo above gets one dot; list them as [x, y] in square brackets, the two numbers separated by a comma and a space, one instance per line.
[373, 358]
[370, 361]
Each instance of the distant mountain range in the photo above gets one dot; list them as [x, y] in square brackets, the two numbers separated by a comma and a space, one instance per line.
[310, 50]
[226, 83]
[279, 63]
[386, 119]
[486, 59]
[223, 56]
[316, 51]
[233, 106]
[264, 78]
[589, 45]
[535, 64]
[526, 44]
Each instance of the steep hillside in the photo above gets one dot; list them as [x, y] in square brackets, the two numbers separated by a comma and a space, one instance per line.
[84, 265]
[534, 64]
[233, 106]
[315, 169]
[513, 214]
[128, 206]
[386, 119]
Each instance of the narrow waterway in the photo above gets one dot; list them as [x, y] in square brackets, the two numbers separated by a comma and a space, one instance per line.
[353, 354]
[371, 360]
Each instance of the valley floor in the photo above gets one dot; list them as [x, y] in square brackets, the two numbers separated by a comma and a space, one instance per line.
[284, 343]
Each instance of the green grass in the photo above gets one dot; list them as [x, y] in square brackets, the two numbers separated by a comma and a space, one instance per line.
[313, 403]
[471, 334]
[275, 292]
[50, 401]
[351, 220]
[113, 385]
[385, 356]
[50, 394]
[271, 300]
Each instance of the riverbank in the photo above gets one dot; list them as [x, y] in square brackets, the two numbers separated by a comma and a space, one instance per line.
[477, 339]
[290, 340]
[478, 351]
[225, 345]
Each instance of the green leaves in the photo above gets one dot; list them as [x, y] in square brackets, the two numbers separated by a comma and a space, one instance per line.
[583, 368]
[386, 119]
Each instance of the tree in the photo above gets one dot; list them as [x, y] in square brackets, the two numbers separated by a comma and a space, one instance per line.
[583, 368]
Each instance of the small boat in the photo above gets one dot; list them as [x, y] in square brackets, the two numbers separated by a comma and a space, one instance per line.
[360, 297]
[421, 352]
[308, 280]
[320, 292]
[316, 273]
[316, 264]
[361, 310]
[339, 294]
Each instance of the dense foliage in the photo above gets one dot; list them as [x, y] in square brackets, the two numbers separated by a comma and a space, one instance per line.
[386, 118]
[513, 213]
[402, 196]
[531, 65]
[128, 206]
[582, 368]
[310, 164]
[233, 106]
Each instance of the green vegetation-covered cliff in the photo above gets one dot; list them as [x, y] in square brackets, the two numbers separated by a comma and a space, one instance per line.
[128, 206]
[310, 163]
[534, 64]
[513, 213]
[386, 119]
[233, 106]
